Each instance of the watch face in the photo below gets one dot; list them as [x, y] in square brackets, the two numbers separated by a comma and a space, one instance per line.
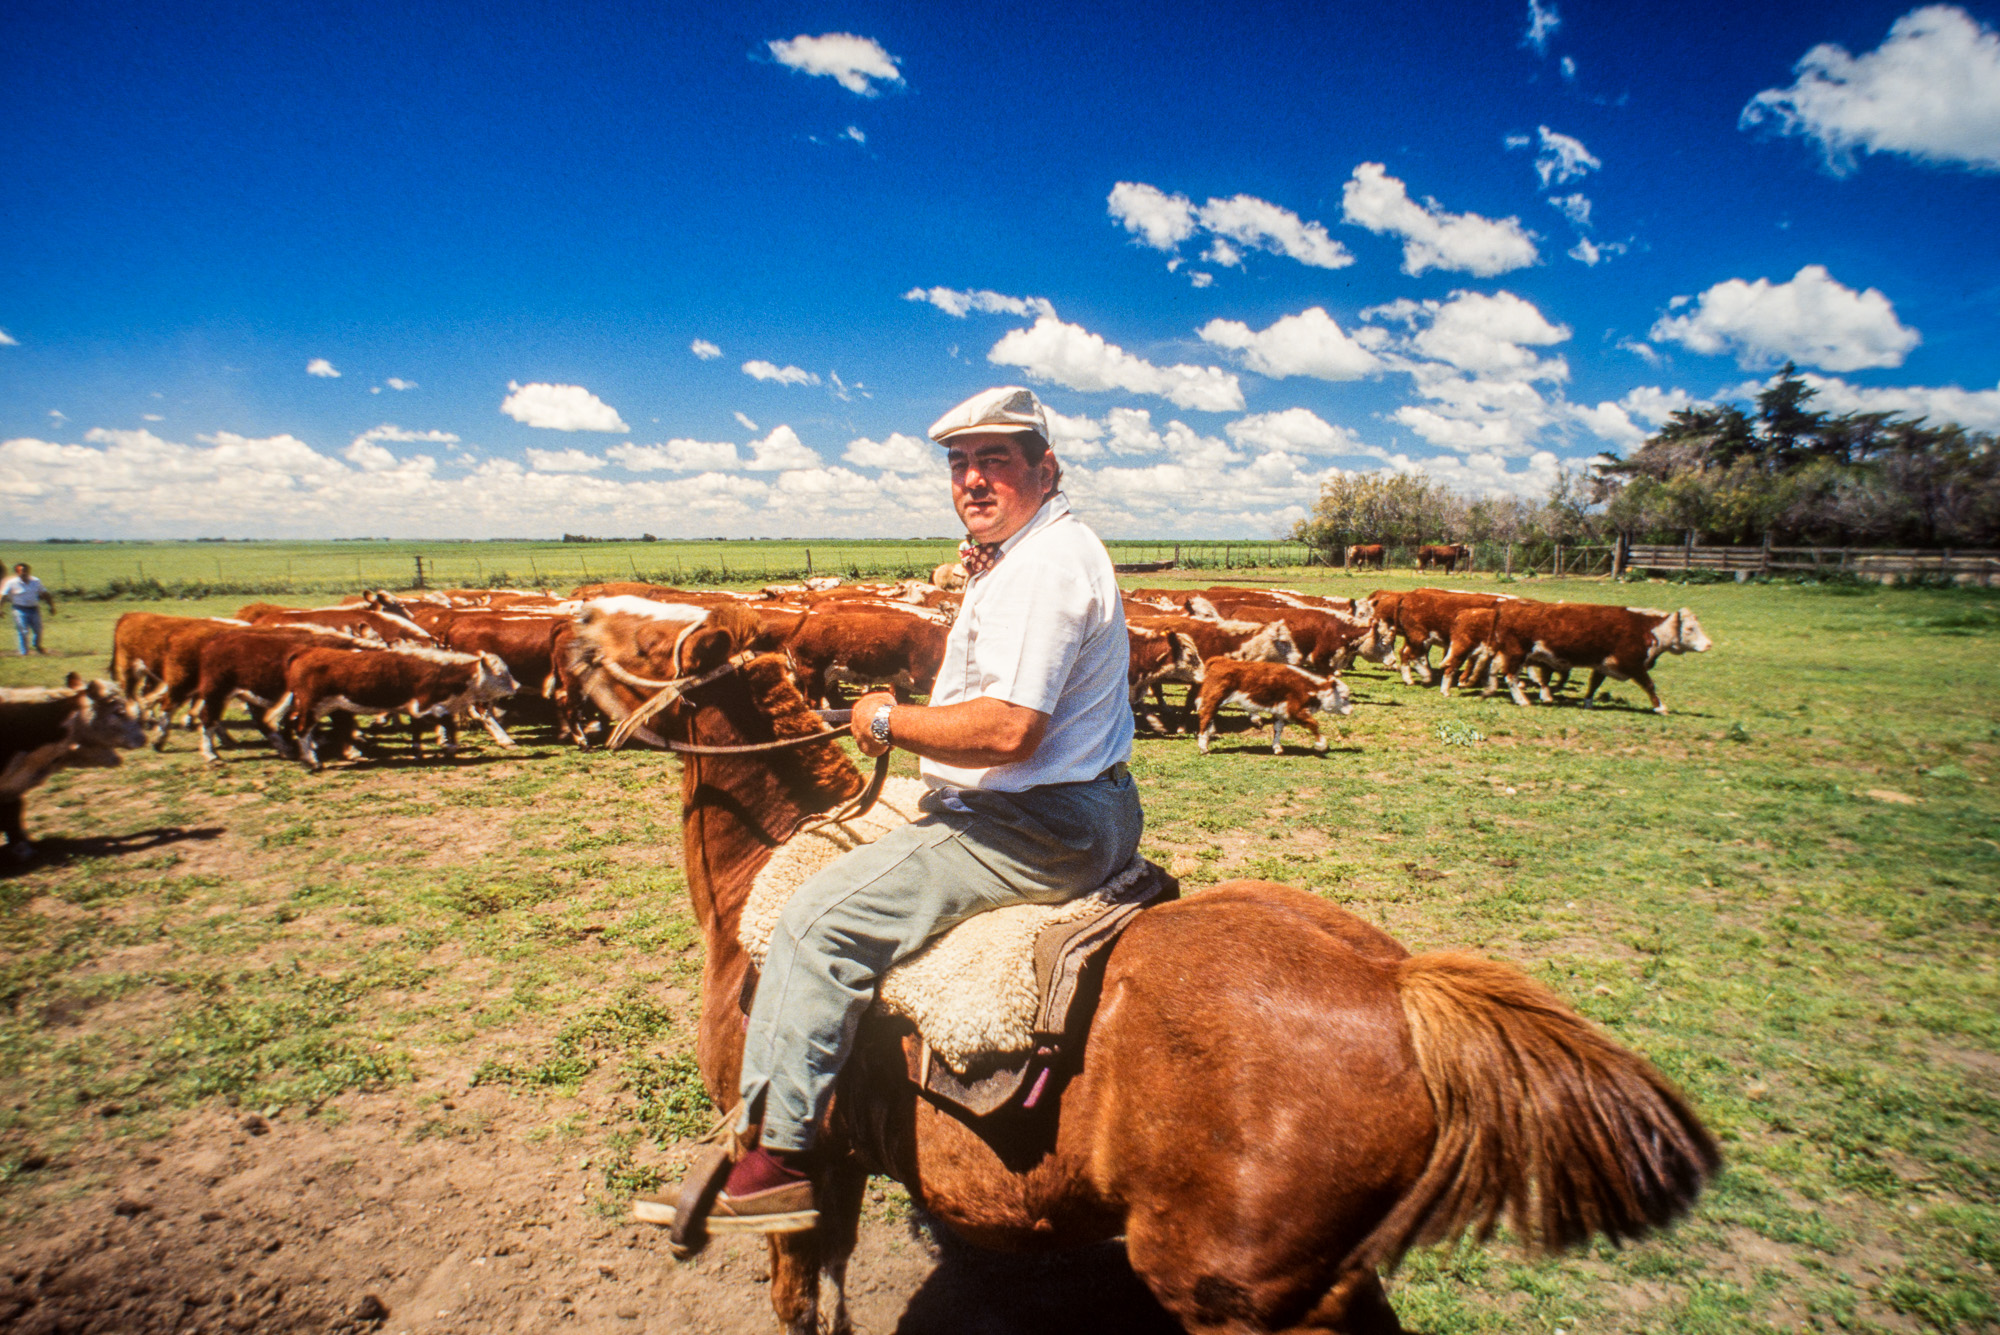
[879, 726]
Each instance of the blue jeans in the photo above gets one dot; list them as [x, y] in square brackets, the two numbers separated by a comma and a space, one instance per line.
[28, 627]
[885, 901]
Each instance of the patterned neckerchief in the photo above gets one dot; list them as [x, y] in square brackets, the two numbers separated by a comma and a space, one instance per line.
[978, 557]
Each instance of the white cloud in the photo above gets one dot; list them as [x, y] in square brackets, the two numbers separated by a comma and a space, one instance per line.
[1644, 351]
[1574, 207]
[898, 454]
[1543, 21]
[1294, 429]
[1310, 343]
[1071, 355]
[677, 456]
[1254, 222]
[1973, 409]
[1931, 92]
[855, 63]
[1199, 279]
[7, 340]
[151, 417]
[704, 349]
[1491, 334]
[564, 461]
[959, 304]
[320, 366]
[1568, 67]
[1812, 320]
[784, 375]
[748, 425]
[1164, 221]
[397, 382]
[1562, 159]
[1484, 474]
[1472, 359]
[560, 408]
[58, 415]
[1157, 218]
[371, 457]
[1615, 422]
[390, 431]
[854, 132]
[1432, 237]
[782, 449]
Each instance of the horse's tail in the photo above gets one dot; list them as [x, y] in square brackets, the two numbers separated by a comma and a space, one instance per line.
[1540, 1117]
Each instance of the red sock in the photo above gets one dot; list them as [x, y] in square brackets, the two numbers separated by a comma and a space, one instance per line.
[762, 1169]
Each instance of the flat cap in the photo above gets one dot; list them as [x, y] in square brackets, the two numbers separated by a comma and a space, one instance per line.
[1007, 408]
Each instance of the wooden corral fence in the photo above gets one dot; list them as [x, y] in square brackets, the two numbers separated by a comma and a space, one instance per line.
[1886, 564]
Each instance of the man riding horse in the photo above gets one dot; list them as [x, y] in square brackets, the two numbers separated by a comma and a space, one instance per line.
[1024, 746]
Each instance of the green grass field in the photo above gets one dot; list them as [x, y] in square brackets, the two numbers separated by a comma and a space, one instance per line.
[1784, 893]
[162, 569]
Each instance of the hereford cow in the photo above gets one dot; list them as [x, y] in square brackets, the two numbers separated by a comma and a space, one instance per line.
[420, 683]
[1448, 556]
[1618, 642]
[1423, 617]
[43, 730]
[1246, 640]
[139, 650]
[1157, 657]
[1328, 641]
[247, 667]
[388, 627]
[898, 648]
[1368, 554]
[1288, 694]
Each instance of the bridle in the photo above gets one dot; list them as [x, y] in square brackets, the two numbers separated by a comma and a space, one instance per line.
[667, 693]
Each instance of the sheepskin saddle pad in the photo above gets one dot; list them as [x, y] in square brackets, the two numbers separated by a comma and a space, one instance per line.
[977, 992]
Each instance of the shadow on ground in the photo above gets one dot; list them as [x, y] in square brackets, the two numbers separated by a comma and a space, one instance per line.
[56, 850]
[1087, 1292]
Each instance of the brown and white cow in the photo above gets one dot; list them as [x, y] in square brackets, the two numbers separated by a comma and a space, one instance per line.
[1288, 694]
[1619, 642]
[247, 667]
[1447, 555]
[1328, 641]
[142, 645]
[1247, 640]
[1157, 657]
[42, 730]
[405, 679]
[1368, 554]
[362, 621]
[838, 644]
[1423, 617]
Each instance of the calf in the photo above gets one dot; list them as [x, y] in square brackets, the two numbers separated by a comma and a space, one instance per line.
[1368, 554]
[1618, 642]
[43, 730]
[419, 683]
[1287, 694]
[899, 648]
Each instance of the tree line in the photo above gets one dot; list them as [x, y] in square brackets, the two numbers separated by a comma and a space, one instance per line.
[1781, 470]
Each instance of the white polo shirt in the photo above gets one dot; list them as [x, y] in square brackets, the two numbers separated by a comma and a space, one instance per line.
[1045, 629]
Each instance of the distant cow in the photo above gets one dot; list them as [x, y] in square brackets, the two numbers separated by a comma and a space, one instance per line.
[1619, 642]
[1287, 694]
[1368, 554]
[1448, 556]
[43, 730]
[420, 683]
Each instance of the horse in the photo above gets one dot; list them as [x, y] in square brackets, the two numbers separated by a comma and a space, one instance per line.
[1274, 1101]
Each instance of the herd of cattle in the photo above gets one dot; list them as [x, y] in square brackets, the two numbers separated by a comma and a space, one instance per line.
[439, 658]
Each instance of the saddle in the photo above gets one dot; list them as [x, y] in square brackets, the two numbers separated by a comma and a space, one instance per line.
[997, 1001]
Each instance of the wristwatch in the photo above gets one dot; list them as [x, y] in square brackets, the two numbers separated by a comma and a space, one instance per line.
[878, 727]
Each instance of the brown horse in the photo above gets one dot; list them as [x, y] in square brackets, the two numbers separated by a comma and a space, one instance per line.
[1274, 1100]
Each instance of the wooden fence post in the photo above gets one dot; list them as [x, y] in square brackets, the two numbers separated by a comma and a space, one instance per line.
[1510, 558]
[809, 563]
[1764, 567]
[1558, 561]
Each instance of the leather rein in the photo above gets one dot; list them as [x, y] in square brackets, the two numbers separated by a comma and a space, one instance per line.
[668, 692]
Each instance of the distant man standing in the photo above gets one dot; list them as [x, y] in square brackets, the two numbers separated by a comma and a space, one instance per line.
[25, 595]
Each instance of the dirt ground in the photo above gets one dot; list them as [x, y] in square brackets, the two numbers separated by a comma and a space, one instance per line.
[236, 1223]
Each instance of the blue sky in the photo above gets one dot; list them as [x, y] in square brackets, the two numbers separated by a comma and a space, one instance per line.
[713, 270]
